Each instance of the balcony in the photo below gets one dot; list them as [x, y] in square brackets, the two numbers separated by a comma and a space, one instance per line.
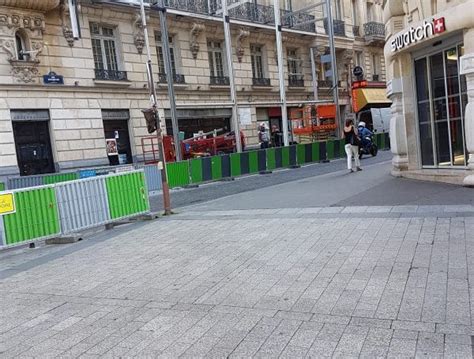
[110, 75]
[356, 30]
[261, 82]
[338, 25]
[43, 5]
[296, 81]
[177, 79]
[374, 33]
[327, 84]
[219, 81]
[248, 11]
[375, 78]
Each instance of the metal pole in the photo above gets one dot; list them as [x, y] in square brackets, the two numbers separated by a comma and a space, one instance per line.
[154, 102]
[313, 73]
[335, 78]
[281, 72]
[230, 66]
[169, 77]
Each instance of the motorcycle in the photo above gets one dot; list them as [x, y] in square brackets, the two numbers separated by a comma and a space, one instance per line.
[368, 147]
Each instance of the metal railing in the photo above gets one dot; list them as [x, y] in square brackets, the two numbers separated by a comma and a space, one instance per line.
[195, 6]
[296, 81]
[375, 77]
[219, 80]
[177, 79]
[374, 33]
[327, 83]
[261, 81]
[110, 75]
[339, 27]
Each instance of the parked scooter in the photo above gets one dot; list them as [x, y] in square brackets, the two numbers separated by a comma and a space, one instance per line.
[368, 147]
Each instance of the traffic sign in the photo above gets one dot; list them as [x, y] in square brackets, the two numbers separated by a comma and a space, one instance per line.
[7, 203]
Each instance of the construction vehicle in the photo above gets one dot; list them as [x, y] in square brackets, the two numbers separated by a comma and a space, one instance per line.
[313, 122]
[201, 145]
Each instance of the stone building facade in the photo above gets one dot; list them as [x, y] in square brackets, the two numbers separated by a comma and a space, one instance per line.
[430, 68]
[60, 98]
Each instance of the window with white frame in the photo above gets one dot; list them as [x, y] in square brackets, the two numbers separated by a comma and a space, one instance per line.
[355, 15]
[216, 59]
[104, 47]
[294, 63]
[159, 52]
[256, 55]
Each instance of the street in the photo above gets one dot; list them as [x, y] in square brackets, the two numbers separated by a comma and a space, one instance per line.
[312, 262]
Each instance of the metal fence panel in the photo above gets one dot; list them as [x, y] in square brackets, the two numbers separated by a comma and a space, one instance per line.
[178, 173]
[36, 216]
[2, 233]
[153, 178]
[2, 186]
[235, 164]
[24, 182]
[82, 204]
[271, 160]
[195, 166]
[216, 164]
[127, 194]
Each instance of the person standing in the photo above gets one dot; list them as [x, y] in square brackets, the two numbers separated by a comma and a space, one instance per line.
[276, 137]
[263, 137]
[352, 143]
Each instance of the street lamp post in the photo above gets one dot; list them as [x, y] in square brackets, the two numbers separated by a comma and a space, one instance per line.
[154, 103]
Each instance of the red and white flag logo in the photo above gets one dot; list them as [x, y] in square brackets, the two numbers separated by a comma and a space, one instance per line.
[439, 25]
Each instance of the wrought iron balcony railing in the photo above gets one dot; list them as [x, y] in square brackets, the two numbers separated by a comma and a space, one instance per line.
[339, 27]
[248, 11]
[375, 77]
[110, 75]
[327, 84]
[219, 80]
[374, 32]
[356, 30]
[296, 81]
[177, 79]
[261, 81]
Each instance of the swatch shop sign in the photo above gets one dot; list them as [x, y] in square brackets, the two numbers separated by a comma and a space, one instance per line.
[415, 34]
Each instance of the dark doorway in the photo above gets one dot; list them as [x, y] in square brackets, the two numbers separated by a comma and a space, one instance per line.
[33, 147]
[118, 130]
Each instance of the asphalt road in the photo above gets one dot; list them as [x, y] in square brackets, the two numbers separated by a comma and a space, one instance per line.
[321, 184]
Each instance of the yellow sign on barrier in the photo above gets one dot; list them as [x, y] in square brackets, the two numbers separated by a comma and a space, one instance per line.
[7, 203]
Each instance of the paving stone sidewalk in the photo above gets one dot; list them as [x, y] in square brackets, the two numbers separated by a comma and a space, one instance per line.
[282, 283]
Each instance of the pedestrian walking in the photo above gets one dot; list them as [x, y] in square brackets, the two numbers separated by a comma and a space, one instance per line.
[352, 143]
[263, 136]
[277, 140]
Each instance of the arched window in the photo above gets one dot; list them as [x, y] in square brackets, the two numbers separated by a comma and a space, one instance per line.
[21, 43]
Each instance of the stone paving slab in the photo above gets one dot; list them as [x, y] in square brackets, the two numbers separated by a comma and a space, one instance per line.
[271, 284]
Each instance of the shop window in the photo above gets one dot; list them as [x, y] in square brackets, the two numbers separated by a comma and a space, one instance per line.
[117, 136]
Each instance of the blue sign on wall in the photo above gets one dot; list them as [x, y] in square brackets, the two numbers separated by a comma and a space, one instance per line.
[53, 79]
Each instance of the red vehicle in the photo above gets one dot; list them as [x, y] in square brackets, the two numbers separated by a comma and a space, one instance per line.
[204, 145]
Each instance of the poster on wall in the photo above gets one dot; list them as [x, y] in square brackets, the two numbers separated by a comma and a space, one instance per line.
[111, 146]
[245, 116]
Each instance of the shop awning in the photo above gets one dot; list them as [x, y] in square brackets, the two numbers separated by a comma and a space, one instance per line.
[363, 98]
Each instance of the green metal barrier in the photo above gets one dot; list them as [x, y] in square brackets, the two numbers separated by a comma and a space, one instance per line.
[235, 169]
[127, 194]
[36, 216]
[178, 174]
[2, 186]
[271, 159]
[216, 167]
[330, 150]
[300, 154]
[195, 166]
[60, 177]
[285, 156]
[253, 162]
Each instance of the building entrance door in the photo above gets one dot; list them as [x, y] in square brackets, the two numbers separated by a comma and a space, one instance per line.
[441, 100]
[32, 142]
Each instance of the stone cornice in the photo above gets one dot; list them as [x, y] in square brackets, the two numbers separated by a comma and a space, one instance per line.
[38, 5]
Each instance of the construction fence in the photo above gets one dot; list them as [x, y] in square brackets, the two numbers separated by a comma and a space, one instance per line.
[207, 169]
[66, 208]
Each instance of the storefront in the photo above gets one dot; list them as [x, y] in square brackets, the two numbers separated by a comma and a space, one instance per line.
[430, 66]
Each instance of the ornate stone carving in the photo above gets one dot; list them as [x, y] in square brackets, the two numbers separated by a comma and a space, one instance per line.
[194, 44]
[17, 21]
[240, 48]
[67, 32]
[138, 34]
[36, 50]
[40, 5]
[24, 71]
[9, 47]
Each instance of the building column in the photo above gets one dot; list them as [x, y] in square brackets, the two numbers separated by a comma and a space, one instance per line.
[398, 137]
[467, 69]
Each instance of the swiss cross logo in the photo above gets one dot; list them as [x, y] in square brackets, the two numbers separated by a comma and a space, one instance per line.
[439, 25]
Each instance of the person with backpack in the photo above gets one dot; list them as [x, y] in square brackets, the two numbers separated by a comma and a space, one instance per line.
[352, 143]
[263, 137]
